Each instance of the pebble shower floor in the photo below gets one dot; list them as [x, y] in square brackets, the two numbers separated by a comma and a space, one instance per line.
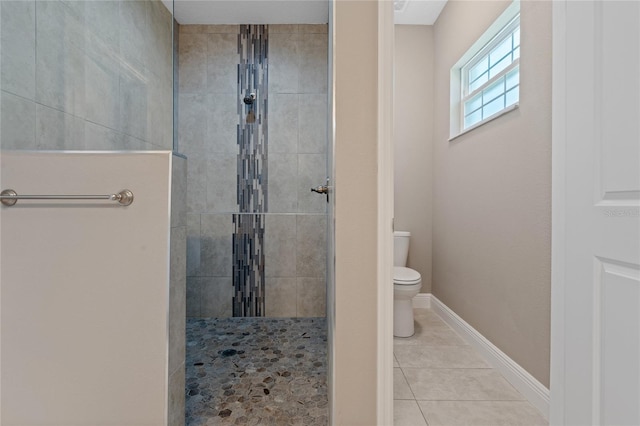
[256, 371]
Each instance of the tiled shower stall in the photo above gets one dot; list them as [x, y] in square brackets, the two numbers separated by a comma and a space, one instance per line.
[256, 234]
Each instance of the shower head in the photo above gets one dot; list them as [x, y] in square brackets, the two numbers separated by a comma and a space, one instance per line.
[248, 100]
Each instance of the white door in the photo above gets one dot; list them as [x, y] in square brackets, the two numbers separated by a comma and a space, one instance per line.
[595, 353]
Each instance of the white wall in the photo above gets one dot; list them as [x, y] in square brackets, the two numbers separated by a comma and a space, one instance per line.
[85, 290]
[413, 142]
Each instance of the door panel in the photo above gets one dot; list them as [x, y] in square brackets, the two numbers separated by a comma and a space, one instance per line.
[618, 57]
[596, 285]
[617, 330]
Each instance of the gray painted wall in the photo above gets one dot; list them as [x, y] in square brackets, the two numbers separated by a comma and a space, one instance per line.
[479, 207]
[413, 143]
[492, 193]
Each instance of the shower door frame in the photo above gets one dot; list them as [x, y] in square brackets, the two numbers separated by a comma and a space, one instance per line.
[385, 174]
[331, 264]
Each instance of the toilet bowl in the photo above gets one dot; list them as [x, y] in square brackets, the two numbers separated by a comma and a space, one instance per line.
[406, 285]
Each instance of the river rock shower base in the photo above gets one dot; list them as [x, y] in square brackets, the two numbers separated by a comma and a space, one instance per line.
[256, 371]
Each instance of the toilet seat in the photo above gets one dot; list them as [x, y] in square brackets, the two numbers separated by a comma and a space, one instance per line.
[405, 276]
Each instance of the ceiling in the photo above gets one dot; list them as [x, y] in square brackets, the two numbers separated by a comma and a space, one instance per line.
[416, 12]
[252, 11]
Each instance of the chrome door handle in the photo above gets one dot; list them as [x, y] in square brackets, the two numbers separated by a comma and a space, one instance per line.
[322, 189]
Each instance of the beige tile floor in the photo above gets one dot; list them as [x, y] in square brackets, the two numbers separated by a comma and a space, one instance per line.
[439, 380]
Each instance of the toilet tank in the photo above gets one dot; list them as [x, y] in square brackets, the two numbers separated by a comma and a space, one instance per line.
[400, 247]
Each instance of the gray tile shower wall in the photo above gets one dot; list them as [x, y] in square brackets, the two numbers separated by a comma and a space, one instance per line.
[293, 220]
[177, 291]
[81, 75]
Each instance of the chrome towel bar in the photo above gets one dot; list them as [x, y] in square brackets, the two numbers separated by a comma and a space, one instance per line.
[9, 197]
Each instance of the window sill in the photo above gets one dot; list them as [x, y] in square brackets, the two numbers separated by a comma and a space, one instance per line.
[486, 120]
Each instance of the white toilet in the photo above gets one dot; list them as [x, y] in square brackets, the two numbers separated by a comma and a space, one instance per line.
[406, 285]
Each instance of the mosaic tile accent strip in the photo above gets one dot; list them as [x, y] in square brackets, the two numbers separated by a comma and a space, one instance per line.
[248, 238]
[248, 265]
[256, 371]
[252, 127]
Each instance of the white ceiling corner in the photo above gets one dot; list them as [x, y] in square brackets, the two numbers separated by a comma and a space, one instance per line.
[408, 12]
[419, 12]
[251, 11]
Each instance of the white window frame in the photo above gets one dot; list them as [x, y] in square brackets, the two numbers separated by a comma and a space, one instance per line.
[504, 25]
[466, 95]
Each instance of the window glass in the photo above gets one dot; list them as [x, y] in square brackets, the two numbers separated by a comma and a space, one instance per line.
[474, 103]
[513, 79]
[500, 52]
[478, 69]
[492, 107]
[492, 78]
[513, 96]
[473, 118]
[493, 91]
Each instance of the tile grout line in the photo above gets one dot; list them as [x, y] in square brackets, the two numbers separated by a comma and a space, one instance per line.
[408, 384]
[402, 369]
[424, 415]
[473, 400]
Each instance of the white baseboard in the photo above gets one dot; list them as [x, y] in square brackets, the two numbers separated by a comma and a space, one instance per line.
[534, 391]
[422, 301]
